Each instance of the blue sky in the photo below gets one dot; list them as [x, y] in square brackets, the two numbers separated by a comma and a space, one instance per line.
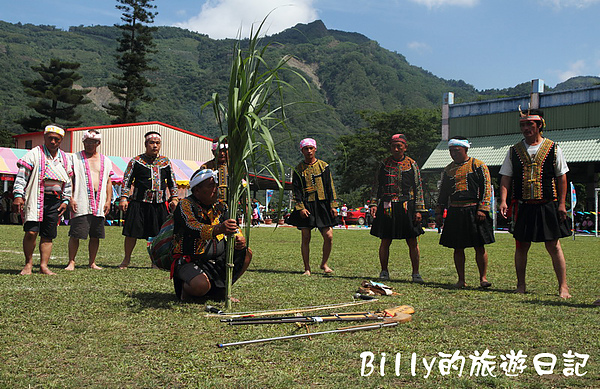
[487, 43]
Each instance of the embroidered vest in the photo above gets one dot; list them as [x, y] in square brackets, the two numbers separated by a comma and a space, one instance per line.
[534, 178]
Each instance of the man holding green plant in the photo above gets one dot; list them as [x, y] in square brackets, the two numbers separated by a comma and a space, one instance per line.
[316, 203]
[201, 229]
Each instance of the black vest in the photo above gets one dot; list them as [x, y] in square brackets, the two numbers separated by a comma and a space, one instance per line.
[534, 179]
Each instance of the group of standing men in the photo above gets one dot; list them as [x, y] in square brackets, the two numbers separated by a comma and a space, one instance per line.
[49, 182]
[533, 172]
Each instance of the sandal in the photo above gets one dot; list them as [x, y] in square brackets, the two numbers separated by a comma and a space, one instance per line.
[416, 278]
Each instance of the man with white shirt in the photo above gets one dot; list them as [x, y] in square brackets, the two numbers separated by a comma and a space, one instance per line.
[42, 191]
[92, 194]
[535, 170]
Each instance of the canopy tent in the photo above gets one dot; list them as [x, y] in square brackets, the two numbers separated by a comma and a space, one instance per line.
[183, 169]
[8, 162]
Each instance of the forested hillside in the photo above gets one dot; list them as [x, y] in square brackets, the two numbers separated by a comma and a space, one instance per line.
[347, 73]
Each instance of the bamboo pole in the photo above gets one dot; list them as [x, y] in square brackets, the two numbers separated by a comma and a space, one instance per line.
[339, 330]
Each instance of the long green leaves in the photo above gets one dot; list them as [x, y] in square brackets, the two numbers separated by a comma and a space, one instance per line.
[254, 107]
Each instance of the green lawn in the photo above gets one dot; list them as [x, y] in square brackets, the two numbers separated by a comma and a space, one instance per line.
[124, 328]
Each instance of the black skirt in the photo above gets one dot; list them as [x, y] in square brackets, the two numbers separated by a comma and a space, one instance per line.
[538, 223]
[143, 220]
[461, 229]
[396, 222]
[320, 216]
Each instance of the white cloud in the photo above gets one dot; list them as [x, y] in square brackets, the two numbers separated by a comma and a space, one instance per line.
[419, 47]
[439, 3]
[558, 4]
[221, 19]
[577, 68]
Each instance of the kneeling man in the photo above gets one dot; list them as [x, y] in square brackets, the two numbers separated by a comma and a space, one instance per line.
[201, 229]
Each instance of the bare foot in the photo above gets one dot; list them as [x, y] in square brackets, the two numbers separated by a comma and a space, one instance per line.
[95, 267]
[234, 300]
[124, 264]
[564, 293]
[70, 266]
[326, 269]
[306, 273]
[520, 289]
[26, 270]
[460, 285]
[45, 270]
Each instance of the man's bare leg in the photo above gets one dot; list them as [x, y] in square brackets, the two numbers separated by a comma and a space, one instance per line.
[560, 268]
[415, 254]
[93, 251]
[45, 251]
[521, 250]
[305, 249]
[481, 258]
[327, 234]
[73, 248]
[459, 265]
[384, 253]
[129, 245]
[28, 248]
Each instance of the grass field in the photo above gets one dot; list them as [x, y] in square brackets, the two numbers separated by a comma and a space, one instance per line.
[124, 328]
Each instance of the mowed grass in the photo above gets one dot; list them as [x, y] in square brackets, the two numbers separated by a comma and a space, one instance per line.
[124, 328]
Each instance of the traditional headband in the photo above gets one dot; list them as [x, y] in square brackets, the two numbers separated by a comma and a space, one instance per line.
[459, 142]
[202, 175]
[398, 138]
[54, 129]
[154, 135]
[308, 142]
[221, 146]
[528, 117]
[91, 135]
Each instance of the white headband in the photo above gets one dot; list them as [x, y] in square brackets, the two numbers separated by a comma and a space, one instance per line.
[154, 135]
[202, 175]
[459, 142]
[54, 129]
[91, 135]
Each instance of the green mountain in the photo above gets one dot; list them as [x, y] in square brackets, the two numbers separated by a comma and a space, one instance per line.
[347, 73]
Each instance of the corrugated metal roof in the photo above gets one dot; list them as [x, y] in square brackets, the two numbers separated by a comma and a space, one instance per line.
[579, 145]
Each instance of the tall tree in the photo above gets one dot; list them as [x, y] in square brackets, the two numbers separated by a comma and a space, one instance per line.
[360, 153]
[132, 57]
[55, 99]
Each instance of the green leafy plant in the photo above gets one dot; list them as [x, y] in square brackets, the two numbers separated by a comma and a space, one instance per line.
[255, 106]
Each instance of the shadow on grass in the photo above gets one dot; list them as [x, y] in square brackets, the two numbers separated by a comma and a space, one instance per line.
[161, 300]
[156, 300]
[10, 271]
[560, 303]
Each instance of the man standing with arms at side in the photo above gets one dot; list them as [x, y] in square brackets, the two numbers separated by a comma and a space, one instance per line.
[535, 169]
[92, 194]
[42, 191]
[466, 193]
[397, 205]
[151, 175]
